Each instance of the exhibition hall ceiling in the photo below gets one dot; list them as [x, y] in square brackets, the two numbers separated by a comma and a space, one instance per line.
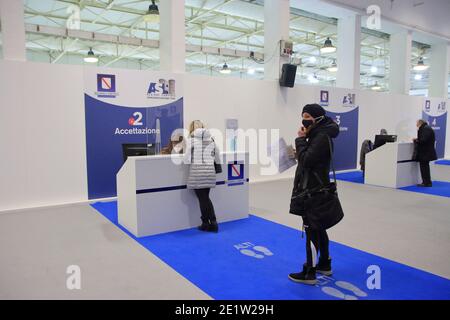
[233, 24]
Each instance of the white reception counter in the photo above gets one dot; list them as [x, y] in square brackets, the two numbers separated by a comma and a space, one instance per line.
[391, 166]
[153, 198]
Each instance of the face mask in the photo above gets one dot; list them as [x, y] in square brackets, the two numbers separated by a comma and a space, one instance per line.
[308, 123]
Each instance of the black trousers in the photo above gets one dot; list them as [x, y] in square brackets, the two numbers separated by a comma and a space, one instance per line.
[425, 172]
[317, 241]
[206, 206]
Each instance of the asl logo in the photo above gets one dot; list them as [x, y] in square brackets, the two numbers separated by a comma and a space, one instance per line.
[136, 119]
[349, 100]
[163, 89]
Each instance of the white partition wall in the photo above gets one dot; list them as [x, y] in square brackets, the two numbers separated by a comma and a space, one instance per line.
[440, 172]
[42, 128]
[391, 166]
[42, 135]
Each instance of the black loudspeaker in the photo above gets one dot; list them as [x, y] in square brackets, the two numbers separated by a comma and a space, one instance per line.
[288, 72]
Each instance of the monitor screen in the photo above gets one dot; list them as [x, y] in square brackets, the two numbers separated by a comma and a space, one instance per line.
[137, 149]
[382, 139]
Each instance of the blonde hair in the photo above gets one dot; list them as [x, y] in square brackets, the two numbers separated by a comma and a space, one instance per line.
[195, 125]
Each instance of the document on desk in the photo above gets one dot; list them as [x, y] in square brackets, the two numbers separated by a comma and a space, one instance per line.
[279, 154]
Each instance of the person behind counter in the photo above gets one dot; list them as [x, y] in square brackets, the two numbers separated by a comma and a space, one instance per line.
[201, 152]
[426, 150]
[175, 145]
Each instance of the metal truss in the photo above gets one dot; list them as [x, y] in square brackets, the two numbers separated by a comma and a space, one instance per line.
[216, 31]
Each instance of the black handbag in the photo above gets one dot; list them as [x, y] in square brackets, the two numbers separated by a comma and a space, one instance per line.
[320, 206]
[218, 167]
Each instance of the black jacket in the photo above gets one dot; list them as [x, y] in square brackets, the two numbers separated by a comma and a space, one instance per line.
[426, 140]
[313, 154]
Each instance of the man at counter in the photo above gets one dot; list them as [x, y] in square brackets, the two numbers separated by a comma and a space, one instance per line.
[426, 151]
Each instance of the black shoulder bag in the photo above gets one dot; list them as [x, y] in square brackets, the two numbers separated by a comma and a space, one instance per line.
[217, 167]
[320, 206]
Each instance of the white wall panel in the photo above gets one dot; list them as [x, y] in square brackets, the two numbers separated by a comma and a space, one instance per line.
[42, 130]
[42, 135]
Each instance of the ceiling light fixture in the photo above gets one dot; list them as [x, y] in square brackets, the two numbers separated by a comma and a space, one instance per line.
[225, 69]
[376, 86]
[420, 66]
[152, 14]
[90, 58]
[333, 67]
[313, 78]
[328, 47]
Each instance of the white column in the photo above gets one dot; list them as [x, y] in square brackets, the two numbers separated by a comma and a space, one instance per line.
[400, 62]
[439, 65]
[13, 29]
[172, 48]
[348, 52]
[276, 28]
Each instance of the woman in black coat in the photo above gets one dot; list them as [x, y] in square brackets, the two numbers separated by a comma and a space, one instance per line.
[314, 157]
[426, 151]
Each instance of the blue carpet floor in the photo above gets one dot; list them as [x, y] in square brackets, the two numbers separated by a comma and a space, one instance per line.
[251, 258]
[440, 188]
[443, 162]
[352, 176]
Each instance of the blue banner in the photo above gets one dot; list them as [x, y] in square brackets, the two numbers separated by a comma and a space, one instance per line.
[435, 113]
[108, 126]
[346, 144]
[439, 125]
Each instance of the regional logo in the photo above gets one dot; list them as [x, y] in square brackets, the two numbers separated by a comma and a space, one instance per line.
[106, 86]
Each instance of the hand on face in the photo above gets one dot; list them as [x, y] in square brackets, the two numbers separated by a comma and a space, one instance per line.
[307, 123]
[302, 132]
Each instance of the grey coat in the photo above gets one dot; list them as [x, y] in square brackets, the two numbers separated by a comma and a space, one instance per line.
[201, 151]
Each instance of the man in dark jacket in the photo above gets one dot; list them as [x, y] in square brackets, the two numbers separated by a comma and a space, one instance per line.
[314, 157]
[426, 151]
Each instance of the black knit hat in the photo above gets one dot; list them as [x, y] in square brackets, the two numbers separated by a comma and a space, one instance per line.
[314, 110]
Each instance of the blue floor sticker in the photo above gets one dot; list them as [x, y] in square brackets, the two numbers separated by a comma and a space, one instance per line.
[251, 259]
